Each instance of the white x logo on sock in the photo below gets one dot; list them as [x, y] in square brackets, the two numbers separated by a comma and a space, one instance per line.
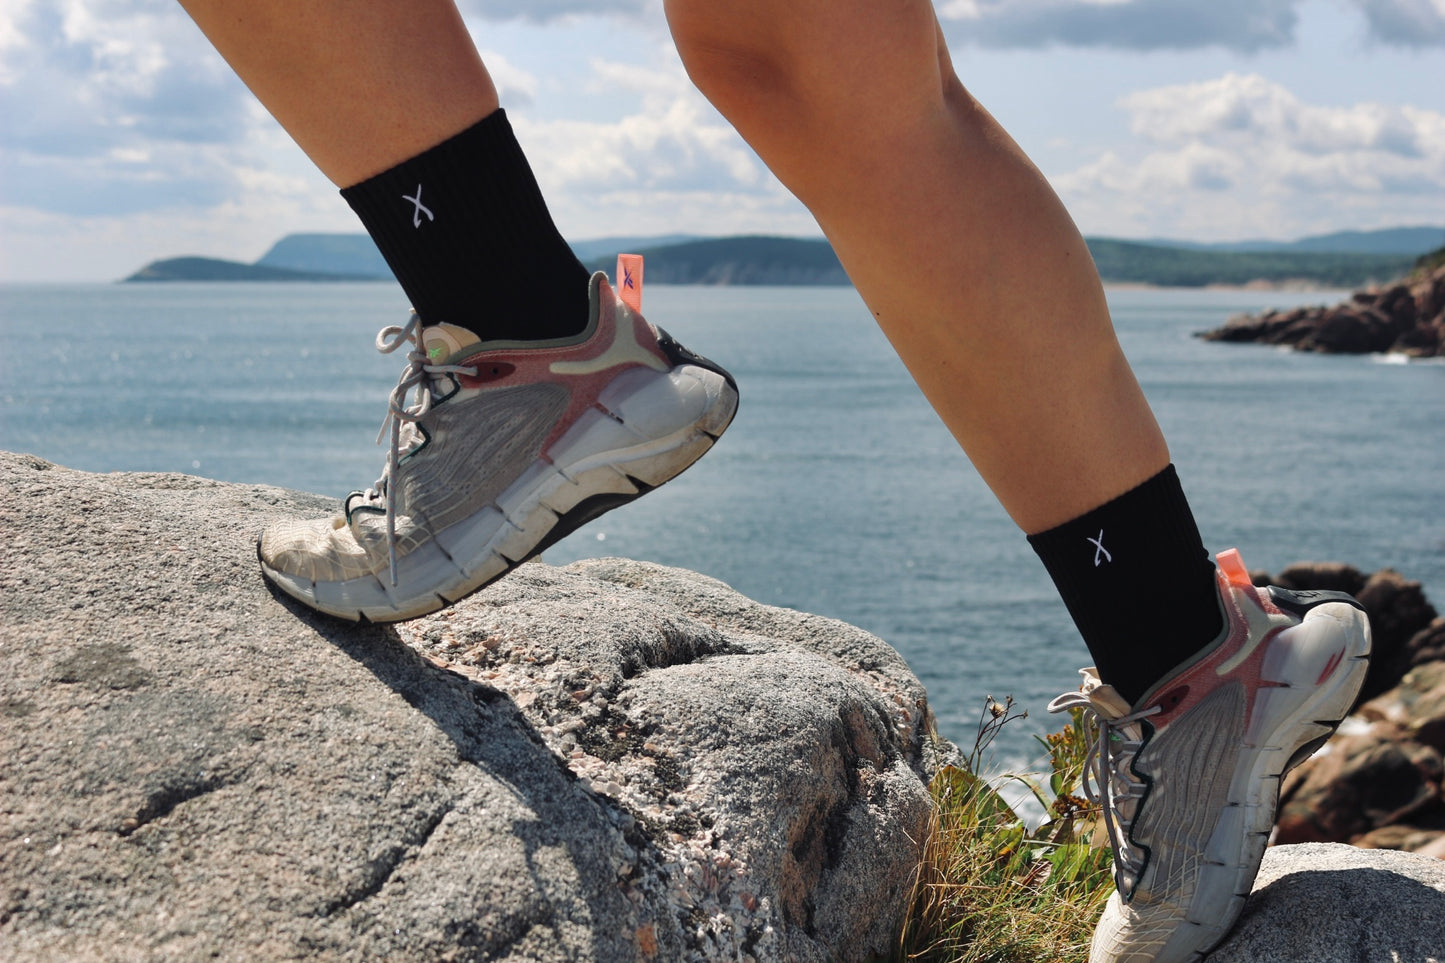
[419, 209]
[1099, 549]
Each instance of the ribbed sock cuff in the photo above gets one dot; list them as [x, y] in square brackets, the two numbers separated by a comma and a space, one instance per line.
[465, 229]
[1138, 582]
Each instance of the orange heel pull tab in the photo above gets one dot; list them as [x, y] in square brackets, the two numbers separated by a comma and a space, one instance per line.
[1233, 568]
[629, 280]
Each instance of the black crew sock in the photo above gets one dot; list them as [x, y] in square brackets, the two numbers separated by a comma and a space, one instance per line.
[465, 229]
[1138, 582]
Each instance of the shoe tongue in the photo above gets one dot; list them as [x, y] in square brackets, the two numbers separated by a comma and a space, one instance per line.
[443, 341]
[1105, 696]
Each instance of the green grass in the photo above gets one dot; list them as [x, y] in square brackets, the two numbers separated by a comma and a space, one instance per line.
[1428, 263]
[991, 888]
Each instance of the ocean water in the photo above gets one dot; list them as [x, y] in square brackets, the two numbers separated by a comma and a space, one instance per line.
[836, 491]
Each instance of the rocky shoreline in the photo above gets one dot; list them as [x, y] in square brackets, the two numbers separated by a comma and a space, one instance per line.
[1405, 317]
[1377, 784]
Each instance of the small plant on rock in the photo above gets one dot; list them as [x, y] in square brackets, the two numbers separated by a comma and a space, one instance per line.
[990, 887]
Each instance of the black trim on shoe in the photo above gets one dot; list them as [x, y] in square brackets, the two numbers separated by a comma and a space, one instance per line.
[1147, 732]
[584, 512]
[678, 355]
[1299, 601]
[348, 511]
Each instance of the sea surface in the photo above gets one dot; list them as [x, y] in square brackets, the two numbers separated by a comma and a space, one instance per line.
[836, 491]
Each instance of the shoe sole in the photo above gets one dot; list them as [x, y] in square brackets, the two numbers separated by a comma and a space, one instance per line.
[597, 465]
[1313, 671]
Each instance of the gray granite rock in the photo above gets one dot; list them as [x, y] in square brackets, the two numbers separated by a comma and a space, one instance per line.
[610, 761]
[1331, 903]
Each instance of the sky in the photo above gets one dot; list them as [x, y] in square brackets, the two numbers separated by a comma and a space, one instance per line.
[124, 138]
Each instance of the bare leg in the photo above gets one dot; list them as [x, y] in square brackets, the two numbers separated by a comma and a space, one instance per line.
[392, 102]
[359, 86]
[956, 242]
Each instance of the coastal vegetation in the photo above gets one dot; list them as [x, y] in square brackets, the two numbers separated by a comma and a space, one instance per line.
[991, 887]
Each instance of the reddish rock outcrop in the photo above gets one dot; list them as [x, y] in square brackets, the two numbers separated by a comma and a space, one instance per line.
[1404, 317]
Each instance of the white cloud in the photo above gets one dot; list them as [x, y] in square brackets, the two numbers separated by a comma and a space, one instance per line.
[1243, 25]
[127, 138]
[113, 107]
[675, 140]
[1241, 154]
[670, 163]
[81, 75]
[516, 86]
[1241, 109]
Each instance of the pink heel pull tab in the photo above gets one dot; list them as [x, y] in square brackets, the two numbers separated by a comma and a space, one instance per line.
[629, 280]
[1232, 565]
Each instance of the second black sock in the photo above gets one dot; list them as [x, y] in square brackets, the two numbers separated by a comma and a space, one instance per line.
[465, 229]
[1138, 582]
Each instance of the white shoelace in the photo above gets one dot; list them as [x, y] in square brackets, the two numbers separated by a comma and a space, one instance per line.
[1108, 781]
[418, 374]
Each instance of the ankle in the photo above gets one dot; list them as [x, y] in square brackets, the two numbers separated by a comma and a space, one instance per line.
[465, 229]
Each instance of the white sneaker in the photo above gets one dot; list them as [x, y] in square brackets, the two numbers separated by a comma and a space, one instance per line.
[1188, 777]
[508, 447]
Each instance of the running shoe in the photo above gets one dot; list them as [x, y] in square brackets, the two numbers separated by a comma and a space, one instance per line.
[502, 449]
[1188, 777]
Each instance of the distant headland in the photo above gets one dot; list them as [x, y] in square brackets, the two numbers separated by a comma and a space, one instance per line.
[1405, 317]
[1345, 259]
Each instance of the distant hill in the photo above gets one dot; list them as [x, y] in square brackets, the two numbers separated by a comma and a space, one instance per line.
[739, 260]
[1129, 262]
[214, 269]
[1392, 240]
[356, 254]
[348, 254]
[610, 247]
[1325, 261]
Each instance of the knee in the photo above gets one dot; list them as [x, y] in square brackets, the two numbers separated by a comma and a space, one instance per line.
[756, 57]
[733, 66]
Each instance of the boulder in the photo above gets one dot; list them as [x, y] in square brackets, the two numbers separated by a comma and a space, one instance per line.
[609, 761]
[1378, 782]
[1427, 645]
[1405, 630]
[1326, 903]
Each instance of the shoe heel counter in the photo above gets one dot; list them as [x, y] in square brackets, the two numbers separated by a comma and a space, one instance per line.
[1299, 601]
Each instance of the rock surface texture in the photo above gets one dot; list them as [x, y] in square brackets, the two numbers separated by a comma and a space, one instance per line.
[1325, 903]
[611, 761]
[1406, 317]
[1378, 782]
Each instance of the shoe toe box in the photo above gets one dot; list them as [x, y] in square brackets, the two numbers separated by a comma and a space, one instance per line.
[320, 550]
